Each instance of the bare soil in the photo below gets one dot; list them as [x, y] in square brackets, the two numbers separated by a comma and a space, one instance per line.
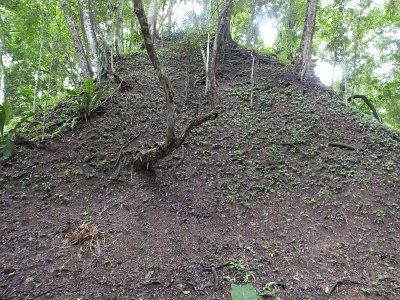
[299, 190]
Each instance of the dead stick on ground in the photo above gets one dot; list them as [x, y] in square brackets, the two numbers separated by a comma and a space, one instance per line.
[124, 146]
[181, 159]
[342, 146]
[213, 270]
[339, 283]
[49, 291]
[252, 79]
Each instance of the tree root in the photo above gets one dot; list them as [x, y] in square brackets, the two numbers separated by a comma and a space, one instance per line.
[144, 159]
[339, 283]
[367, 102]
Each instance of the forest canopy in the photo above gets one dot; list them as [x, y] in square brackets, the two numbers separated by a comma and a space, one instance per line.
[355, 48]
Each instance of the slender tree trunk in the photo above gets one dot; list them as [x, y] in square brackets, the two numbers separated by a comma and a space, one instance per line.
[38, 72]
[83, 60]
[250, 29]
[334, 67]
[354, 77]
[169, 16]
[118, 30]
[84, 38]
[222, 36]
[2, 70]
[164, 80]
[105, 62]
[91, 36]
[303, 65]
[152, 17]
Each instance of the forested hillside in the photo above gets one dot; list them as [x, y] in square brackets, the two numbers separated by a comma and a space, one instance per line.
[150, 156]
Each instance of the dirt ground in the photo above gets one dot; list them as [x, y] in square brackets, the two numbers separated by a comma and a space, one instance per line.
[297, 195]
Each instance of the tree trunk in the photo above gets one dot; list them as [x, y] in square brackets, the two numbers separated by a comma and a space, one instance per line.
[119, 30]
[250, 37]
[38, 72]
[164, 80]
[2, 70]
[222, 36]
[152, 17]
[83, 60]
[91, 36]
[104, 50]
[169, 16]
[303, 65]
[143, 159]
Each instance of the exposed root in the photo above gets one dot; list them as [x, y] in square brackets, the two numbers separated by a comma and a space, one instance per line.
[367, 102]
[339, 283]
[144, 159]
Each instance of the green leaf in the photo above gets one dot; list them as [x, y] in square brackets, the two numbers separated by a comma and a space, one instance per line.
[27, 92]
[6, 147]
[243, 292]
[97, 97]
[5, 112]
[89, 86]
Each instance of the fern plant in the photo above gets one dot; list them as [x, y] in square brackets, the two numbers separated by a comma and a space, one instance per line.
[88, 100]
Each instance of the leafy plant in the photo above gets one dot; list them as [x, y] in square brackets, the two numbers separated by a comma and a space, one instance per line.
[88, 99]
[237, 265]
[5, 113]
[7, 135]
[243, 292]
[270, 289]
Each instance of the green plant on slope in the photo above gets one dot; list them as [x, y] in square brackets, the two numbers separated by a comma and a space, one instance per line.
[7, 135]
[88, 100]
[5, 113]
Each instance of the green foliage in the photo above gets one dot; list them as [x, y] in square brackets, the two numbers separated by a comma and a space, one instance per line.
[7, 138]
[243, 292]
[270, 289]
[5, 113]
[88, 99]
[7, 144]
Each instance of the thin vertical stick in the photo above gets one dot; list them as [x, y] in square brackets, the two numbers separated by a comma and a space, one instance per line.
[40, 62]
[207, 65]
[252, 79]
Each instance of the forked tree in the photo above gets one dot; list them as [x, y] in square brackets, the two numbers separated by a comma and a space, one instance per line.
[143, 159]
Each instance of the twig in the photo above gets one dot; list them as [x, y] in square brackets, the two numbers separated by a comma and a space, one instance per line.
[110, 95]
[181, 159]
[49, 291]
[213, 270]
[217, 267]
[252, 79]
[339, 283]
[215, 277]
[124, 146]
[342, 146]
[5, 291]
